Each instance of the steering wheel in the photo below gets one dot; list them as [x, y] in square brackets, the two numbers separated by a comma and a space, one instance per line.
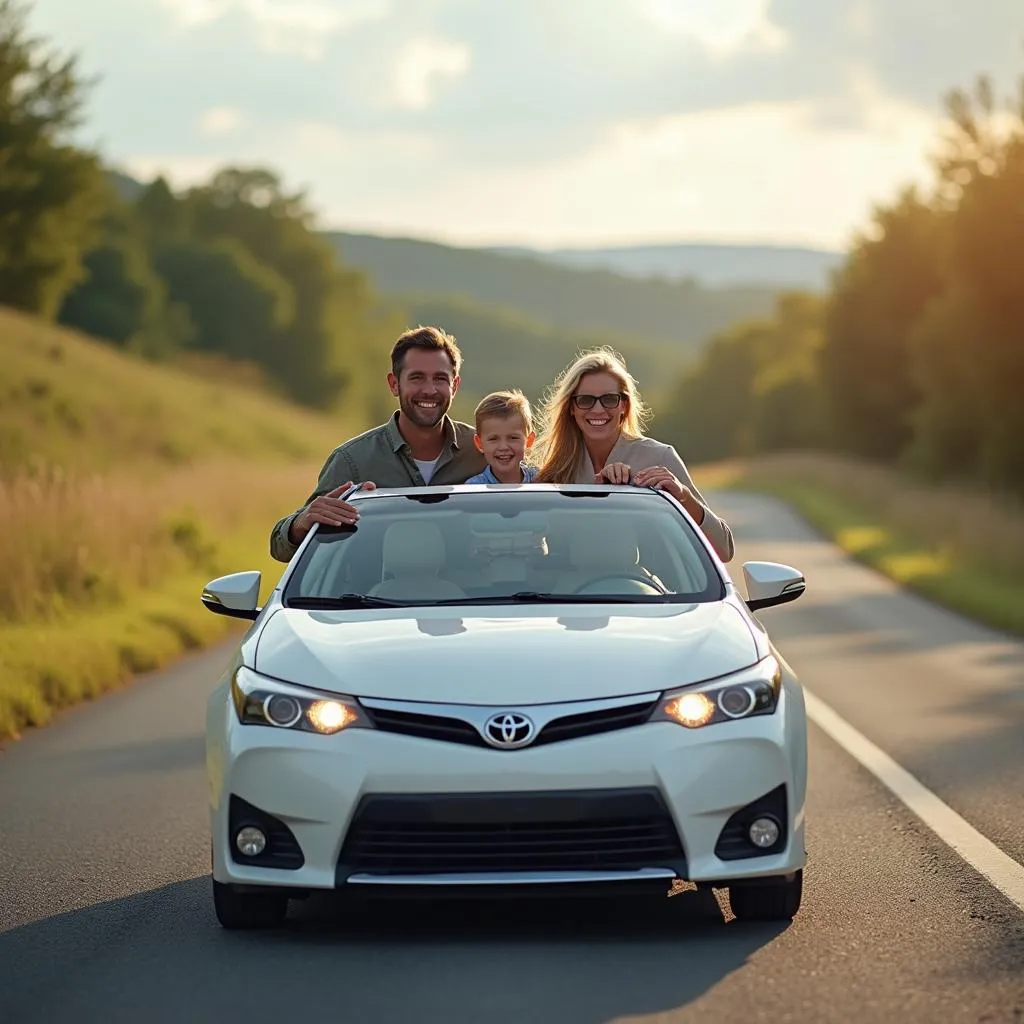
[648, 584]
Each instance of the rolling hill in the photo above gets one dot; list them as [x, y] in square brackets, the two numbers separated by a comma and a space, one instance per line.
[520, 317]
[716, 266]
[588, 301]
[504, 348]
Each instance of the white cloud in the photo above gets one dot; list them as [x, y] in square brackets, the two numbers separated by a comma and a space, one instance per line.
[759, 172]
[219, 121]
[300, 27]
[318, 142]
[550, 122]
[422, 66]
[724, 28]
[193, 13]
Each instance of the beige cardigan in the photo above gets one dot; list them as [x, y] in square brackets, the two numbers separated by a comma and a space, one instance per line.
[645, 453]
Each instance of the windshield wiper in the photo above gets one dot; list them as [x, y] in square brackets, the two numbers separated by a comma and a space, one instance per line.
[344, 601]
[542, 597]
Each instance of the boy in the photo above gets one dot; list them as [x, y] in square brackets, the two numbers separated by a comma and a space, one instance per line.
[504, 432]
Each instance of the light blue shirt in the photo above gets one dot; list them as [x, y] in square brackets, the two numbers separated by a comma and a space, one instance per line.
[488, 477]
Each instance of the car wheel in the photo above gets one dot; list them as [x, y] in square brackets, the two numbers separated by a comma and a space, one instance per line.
[236, 910]
[772, 901]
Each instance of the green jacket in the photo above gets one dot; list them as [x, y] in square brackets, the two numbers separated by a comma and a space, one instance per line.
[382, 456]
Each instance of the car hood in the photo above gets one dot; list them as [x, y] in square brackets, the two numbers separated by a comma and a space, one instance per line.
[510, 655]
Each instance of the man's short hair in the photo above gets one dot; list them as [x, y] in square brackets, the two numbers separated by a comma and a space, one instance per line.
[503, 404]
[430, 339]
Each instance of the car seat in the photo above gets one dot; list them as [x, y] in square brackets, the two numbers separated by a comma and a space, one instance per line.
[600, 545]
[413, 554]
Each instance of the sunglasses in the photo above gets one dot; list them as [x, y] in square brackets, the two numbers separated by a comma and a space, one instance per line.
[609, 401]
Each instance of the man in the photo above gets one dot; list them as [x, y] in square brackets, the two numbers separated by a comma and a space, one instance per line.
[419, 445]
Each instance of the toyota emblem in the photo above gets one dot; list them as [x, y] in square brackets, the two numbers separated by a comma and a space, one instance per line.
[508, 730]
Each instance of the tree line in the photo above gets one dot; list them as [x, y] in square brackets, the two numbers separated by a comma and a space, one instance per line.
[915, 356]
[232, 268]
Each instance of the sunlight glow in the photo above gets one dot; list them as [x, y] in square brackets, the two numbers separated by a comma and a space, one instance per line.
[219, 121]
[301, 27]
[423, 66]
[722, 27]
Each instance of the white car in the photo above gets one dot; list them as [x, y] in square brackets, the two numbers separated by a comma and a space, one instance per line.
[534, 690]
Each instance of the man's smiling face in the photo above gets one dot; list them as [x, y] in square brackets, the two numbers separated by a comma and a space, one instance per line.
[425, 386]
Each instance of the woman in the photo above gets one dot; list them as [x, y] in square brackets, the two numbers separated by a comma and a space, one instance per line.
[592, 431]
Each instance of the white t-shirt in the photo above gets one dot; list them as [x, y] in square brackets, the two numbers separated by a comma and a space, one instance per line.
[426, 468]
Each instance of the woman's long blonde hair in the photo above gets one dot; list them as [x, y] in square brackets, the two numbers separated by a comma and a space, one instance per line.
[560, 443]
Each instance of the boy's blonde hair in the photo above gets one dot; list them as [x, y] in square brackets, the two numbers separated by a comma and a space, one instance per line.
[501, 404]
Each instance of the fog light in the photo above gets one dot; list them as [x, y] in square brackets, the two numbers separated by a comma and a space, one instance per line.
[250, 841]
[764, 832]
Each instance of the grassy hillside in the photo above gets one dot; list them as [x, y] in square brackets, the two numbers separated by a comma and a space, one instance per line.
[124, 487]
[69, 401]
[570, 299]
[504, 348]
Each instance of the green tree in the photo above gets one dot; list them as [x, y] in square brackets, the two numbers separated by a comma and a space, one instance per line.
[319, 356]
[161, 216]
[969, 348]
[122, 299]
[892, 274]
[52, 195]
[237, 304]
[787, 403]
[708, 414]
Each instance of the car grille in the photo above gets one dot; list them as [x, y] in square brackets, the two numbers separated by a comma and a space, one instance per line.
[455, 730]
[498, 832]
[591, 723]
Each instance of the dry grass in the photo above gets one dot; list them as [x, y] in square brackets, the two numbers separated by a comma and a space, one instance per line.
[960, 547]
[69, 544]
[100, 576]
[984, 528]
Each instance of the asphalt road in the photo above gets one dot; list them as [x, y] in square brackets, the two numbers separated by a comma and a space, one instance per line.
[106, 916]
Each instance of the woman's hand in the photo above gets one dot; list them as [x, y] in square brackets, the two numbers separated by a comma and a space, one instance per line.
[665, 480]
[613, 473]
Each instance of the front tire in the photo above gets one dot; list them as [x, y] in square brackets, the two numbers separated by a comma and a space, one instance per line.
[246, 910]
[771, 901]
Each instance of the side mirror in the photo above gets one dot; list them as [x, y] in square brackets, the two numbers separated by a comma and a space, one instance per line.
[236, 595]
[771, 583]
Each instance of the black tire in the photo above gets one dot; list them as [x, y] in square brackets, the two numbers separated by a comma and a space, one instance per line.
[773, 901]
[242, 910]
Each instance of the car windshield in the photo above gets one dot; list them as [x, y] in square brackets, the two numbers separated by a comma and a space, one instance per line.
[492, 547]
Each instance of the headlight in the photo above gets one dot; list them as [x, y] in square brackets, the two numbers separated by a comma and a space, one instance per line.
[261, 701]
[754, 691]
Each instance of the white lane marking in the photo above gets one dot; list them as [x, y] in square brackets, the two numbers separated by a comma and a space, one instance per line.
[982, 854]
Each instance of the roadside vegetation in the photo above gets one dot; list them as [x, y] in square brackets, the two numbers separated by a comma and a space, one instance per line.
[900, 385]
[914, 358]
[124, 487]
[958, 547]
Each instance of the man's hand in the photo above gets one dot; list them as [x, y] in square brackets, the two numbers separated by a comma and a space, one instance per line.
[665, 480]
[613, 473]
[329, 510]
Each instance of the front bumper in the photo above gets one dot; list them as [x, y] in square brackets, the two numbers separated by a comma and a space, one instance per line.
[369, 811]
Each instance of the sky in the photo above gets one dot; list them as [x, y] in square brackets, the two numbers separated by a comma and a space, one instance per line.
[542, 122]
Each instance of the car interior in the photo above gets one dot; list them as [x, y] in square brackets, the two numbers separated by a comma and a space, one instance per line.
[444, 556]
